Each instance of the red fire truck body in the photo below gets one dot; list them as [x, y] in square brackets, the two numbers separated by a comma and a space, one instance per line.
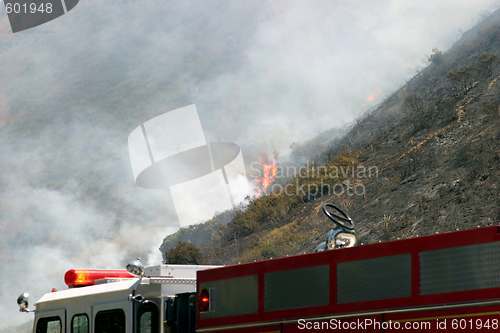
[440, 283]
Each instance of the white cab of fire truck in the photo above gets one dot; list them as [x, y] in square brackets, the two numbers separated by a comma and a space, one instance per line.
[158, 299]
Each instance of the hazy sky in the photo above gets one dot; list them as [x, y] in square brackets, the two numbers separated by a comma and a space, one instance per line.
[263, 74]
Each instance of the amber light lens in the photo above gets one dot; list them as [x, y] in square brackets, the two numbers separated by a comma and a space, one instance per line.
[204, 300]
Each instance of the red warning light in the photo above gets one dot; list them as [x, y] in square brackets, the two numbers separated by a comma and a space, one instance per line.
[86, 277]
[204, 300]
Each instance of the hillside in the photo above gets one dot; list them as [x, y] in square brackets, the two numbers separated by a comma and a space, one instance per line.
[434, 150]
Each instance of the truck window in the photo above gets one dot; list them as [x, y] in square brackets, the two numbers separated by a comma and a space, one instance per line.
[110, 321]
[80, 323]
[49, 325]
[148, 318]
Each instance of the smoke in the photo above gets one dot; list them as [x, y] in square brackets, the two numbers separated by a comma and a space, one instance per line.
[262, 74]
[319, 64]
[47, 230]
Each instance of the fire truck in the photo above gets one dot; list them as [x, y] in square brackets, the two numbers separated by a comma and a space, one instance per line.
[437, 283]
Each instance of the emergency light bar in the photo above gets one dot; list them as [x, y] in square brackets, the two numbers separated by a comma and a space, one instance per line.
[86, 277]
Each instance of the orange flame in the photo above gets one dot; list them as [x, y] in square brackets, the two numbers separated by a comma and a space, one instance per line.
[269, 169]
[373, 95]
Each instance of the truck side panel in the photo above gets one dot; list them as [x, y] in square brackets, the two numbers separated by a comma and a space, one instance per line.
[450, 268]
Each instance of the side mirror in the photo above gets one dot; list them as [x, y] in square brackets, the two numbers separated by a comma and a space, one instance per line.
[340, 238]
[343, 235]
[22, 301]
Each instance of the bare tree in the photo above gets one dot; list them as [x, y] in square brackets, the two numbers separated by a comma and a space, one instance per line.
[461, 81]
[487, 63]
[436, 57]
[414, 104]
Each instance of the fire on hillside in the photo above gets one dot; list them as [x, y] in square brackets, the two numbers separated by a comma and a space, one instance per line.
[269, 169]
